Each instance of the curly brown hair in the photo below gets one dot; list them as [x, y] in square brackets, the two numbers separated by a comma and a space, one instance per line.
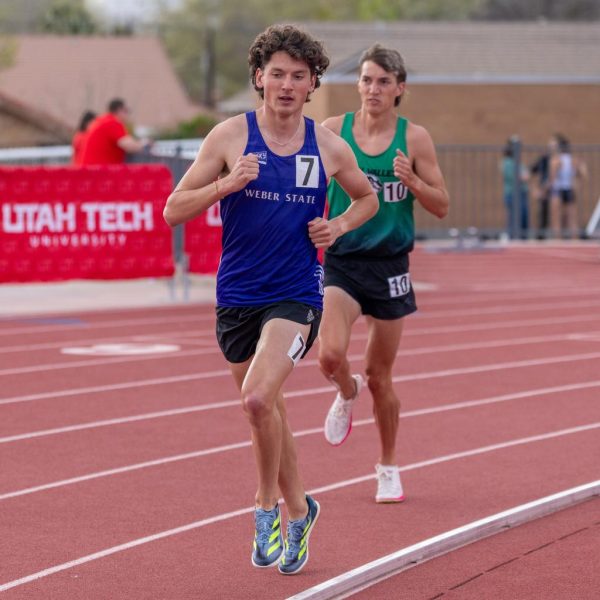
[296, 43]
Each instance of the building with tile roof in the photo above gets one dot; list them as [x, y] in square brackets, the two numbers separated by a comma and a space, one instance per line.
[53, 79]
[472, 82]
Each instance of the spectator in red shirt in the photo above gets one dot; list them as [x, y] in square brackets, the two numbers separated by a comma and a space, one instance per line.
[80, 135]
[107, 140]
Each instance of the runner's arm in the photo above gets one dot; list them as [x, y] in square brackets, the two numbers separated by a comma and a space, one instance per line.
[200, 187]
[364, 203]
[132, 145]
[422, 175]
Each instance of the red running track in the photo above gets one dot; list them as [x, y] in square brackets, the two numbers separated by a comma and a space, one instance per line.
[133, 476]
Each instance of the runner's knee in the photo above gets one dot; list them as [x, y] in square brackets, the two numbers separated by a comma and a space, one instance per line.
[330, 359]
[378, 381]
[256, 405]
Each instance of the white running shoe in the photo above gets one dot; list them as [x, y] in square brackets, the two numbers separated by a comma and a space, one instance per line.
[338, 423]
[389, 487]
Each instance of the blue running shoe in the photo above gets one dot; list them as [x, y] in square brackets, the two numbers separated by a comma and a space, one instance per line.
[296, 544]
[268, 540]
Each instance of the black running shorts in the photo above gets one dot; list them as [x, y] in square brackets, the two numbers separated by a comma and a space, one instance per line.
[239, 328]
[382, 287]
[566, 196]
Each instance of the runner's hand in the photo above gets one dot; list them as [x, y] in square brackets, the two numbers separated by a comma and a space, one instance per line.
[403, 169]
[244, 171]
[323, 233]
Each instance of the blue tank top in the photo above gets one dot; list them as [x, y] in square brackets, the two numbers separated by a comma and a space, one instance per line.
[267, 255]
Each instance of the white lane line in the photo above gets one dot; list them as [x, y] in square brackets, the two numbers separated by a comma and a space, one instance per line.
[488, 310]
[305, 363]
[103, 340]
[410, 331]
[230, 515]
[500, 325]
[306, 432]
[487, 297]
[100, 362]
[591, 258]
[589, 336]
[213, 349]
[115, 386]
[499, 366]
[503, 343]
[210, 374]
[498, 310]
[86, 324]
[371, 573]
[136, 467]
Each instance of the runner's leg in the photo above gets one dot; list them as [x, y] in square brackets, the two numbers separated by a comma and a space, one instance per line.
[382, 346]
[260, 382]
[339, 313]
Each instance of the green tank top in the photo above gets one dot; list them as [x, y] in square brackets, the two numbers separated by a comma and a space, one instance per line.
[391, 231]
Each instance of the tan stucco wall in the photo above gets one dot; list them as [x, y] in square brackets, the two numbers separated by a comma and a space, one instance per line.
[469, 114]
[485, 114]
[15, 133]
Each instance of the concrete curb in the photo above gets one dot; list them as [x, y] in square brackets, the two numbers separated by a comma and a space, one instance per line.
[378, 570]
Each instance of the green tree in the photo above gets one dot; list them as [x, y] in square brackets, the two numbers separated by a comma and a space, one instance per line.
[8, 51]
[535, 9]
[236, 24]
[22, 16]
[184, 32]
[68, 17]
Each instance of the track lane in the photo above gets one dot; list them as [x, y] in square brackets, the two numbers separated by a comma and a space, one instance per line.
[160, 488]
[192, 561]
[449, 495]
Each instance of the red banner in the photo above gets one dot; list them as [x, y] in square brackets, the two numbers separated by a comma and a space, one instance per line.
[203, 241]
[59, 223]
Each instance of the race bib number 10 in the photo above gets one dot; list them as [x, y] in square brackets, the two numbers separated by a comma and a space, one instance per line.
[394, 191]
[307, 171]
[399, 285]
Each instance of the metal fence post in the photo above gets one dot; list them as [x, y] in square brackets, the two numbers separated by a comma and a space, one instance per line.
[179, 258]
[517, 198]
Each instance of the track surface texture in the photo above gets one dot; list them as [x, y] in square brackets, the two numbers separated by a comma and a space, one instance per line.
[128, 473]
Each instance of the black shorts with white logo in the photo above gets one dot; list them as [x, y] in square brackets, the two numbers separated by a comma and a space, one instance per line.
[566, 196]
[382, 287]
[239, 328]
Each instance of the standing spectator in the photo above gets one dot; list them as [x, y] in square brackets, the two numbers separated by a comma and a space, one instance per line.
[541, 189]
[565, 170]
[107, 141]
[80, 135]
[516, 194]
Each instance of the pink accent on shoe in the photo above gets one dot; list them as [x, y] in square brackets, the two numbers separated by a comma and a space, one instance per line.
[347, 434]
[338, 422]
[389, 500]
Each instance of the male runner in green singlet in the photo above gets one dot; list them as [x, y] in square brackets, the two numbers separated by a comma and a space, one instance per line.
[366, 270]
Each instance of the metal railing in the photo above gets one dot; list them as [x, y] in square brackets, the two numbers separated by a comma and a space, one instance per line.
[475, 184]
[472, 173]
[61, 155]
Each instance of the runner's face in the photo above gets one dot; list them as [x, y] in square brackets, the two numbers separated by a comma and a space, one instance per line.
[286, 83]
[378, 89]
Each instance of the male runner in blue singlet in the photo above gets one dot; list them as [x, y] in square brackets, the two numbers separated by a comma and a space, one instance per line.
[270, 283]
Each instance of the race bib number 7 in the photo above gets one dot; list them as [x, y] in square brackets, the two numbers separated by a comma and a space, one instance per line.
[307, 171]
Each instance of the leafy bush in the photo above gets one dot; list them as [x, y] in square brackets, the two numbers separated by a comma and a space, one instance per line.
[199, 126]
